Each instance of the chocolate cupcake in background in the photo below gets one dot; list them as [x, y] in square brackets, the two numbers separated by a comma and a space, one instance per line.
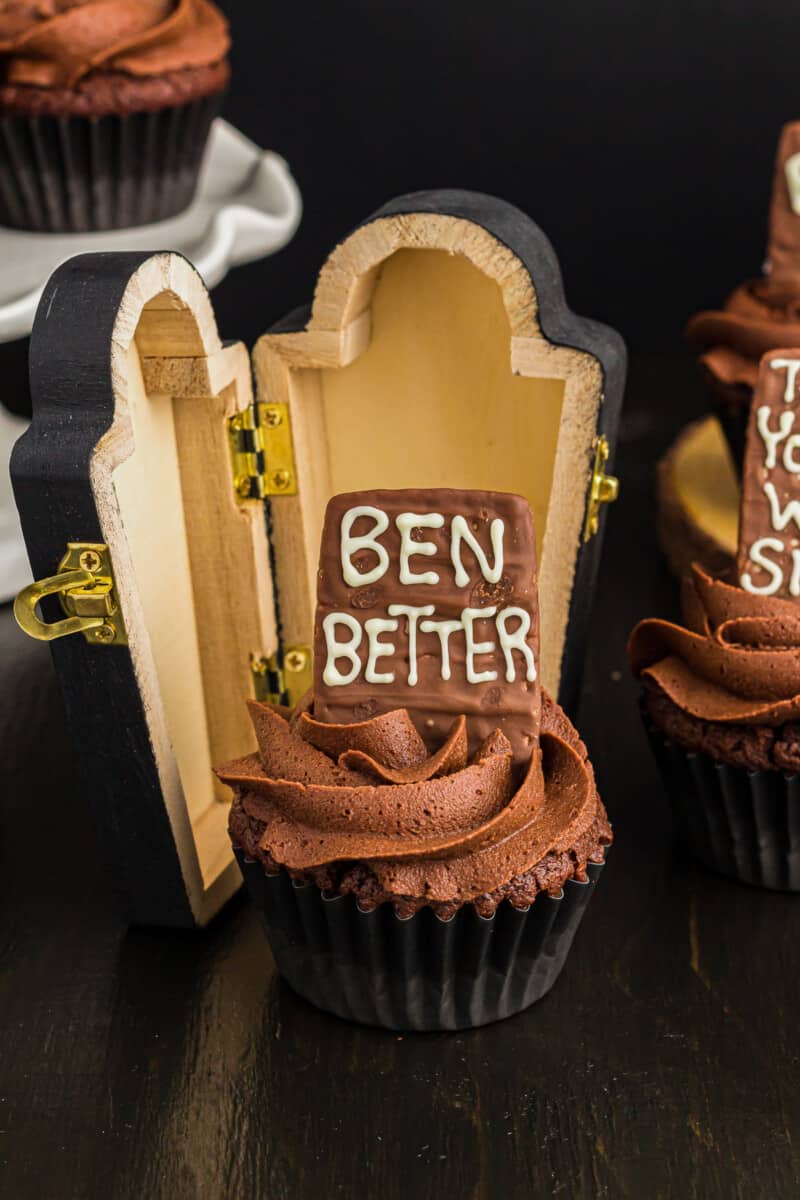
[762, 313]
[721, 705]
[421, 837]
[721, 695]
[105, 109]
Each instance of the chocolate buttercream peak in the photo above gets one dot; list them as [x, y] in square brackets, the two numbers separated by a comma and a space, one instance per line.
[783, 247]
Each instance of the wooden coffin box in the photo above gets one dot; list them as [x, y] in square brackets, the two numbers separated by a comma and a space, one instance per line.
[177, 519]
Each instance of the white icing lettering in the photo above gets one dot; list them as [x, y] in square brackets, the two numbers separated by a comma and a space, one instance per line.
[791, 366]
[756, 556]
[468, 618]
[770, 437]
[780, 519]
[789, 462]
[461, 532]
[516, 641]
[405, 523]
[332, 676]
[443, 629]
[352, 544]
[412, 614]
[374, 627]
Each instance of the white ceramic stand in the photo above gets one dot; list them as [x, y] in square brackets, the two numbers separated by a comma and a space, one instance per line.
[247, 207]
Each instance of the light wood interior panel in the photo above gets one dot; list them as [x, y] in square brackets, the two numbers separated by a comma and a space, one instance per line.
[148, 489]
[432, 401]
[192, 564]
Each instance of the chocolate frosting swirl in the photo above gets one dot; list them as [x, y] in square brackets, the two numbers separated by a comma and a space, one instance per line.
[758, 316]
[764, 313]
[437, 827]
[737, 661]
[56, 43]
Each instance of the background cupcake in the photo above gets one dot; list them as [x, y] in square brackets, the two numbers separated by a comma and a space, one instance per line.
[421, 842]
[722, 694]
[105, 109]
[762, 313]
[722, 707]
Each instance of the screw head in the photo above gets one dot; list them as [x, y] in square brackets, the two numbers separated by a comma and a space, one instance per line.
[90, 560]
[295, 660]
[242, 486]
[106, 633]
[280, 480]
[272, 417]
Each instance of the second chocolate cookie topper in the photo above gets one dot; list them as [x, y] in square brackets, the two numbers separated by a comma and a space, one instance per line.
[427, 600]
[768, 561]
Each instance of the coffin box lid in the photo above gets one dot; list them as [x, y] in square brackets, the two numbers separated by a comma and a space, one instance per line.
[438, 352]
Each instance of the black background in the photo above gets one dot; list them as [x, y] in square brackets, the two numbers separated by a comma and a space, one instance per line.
[640, 136]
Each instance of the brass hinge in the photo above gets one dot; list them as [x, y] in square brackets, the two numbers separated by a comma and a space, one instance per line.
[85, 586]
[262, 455]
[604, 488]
[282, 678]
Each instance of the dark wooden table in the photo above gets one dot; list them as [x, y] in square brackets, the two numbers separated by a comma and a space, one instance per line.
[147, 1064]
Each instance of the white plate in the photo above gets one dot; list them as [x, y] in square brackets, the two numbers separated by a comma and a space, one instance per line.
[247, 206]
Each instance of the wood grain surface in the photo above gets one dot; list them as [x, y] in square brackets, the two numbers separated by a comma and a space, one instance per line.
[140, 1063]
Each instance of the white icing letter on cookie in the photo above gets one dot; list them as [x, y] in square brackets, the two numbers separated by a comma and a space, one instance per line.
[350, 545]
[794, 583]
[443, 629]
[405, 523]
[779, 520]
[460, 531]
[770, 437]
[789, 461]
[791, 366]
[468, 618]
[375, 626]
[413, 614]
[516, 641]
[332, 676]
[756, 556]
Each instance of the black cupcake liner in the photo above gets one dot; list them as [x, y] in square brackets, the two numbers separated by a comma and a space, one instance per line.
[89, 174]
[742, 824]
[420, 973]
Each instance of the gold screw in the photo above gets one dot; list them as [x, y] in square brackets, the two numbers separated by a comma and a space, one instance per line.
[90, 561]
[105, 633]
[236, 424]
[295, 660]
[280, 480]
[242, 486]
[272, 417]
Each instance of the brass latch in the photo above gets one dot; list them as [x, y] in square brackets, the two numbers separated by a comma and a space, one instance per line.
[274, 683]
[85, 586]
[604, 488]
[262, 456]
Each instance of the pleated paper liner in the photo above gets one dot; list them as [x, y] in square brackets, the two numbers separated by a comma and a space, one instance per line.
[83, 174]
[743, 824]
[421, 973]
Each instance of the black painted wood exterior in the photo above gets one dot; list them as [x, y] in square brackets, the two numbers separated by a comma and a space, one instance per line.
[73, 406]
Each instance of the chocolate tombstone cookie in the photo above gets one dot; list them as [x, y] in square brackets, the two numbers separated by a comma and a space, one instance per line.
[427, 600]
[768, 561]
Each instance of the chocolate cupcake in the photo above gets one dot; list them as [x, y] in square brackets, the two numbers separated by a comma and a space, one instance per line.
[105, 109]
[721, 704]
[762, 313]
[421, 839]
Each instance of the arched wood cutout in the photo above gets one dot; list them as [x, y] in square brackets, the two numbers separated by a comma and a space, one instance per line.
[131, 389]
[439, 351]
